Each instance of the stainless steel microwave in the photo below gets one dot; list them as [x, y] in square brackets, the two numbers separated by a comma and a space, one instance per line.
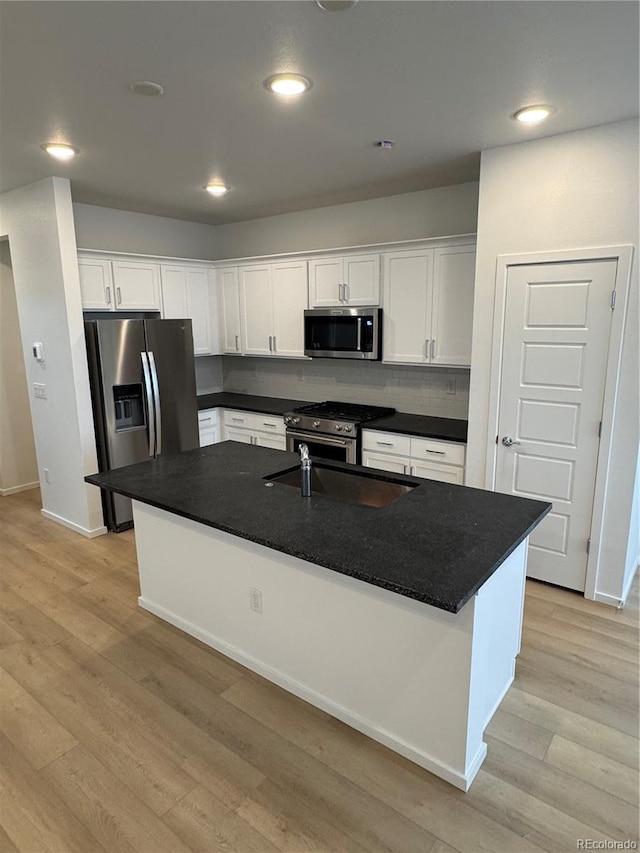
[343, 333]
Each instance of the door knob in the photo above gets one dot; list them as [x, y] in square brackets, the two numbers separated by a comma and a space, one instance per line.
[508, 441]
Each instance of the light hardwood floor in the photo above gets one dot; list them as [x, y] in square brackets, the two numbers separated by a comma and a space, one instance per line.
[120, 733]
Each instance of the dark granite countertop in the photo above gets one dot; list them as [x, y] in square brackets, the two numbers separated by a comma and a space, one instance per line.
[422, 425]
[437, 544]
[425, 426]
[248, 403]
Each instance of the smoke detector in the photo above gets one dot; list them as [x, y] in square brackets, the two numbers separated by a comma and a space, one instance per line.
[385, 143]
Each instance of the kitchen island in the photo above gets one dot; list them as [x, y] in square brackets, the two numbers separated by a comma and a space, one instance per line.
[403, 621]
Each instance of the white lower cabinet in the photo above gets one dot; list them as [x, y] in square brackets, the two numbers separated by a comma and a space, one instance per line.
[431, 459]
[208, 426]
[254, 428]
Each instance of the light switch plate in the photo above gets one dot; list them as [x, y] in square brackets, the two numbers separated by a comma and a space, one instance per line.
[40, 390]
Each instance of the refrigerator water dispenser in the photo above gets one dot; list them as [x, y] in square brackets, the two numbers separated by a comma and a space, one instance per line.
[128, 402]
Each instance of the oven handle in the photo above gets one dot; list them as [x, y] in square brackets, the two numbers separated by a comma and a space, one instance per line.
[359, 334]
[321, 439]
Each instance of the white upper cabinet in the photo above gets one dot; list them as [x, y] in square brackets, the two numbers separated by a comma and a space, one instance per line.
[428, 305]
[452, 312]
[96, 284]
[137, 286]
[272, 299]
[290, 298]
[347, 280]
[256, 308]
[187, 292]
[229, 301]
[118, 285]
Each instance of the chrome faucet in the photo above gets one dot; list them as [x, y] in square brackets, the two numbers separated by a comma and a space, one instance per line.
[305, 471]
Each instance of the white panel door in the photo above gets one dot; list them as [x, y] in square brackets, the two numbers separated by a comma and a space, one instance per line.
[406, 306]
[433, 471]
[137, 285]
[243, 436]
[174, 293]
[290, 298]
[452, 310]
[362, 280]
[257, 310]
[384, 462]
[325, 282]
[199, 309]
[96, 285]
[229, 296]
[556, 339]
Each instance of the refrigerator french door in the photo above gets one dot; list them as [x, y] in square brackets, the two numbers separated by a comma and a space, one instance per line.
[143, 390]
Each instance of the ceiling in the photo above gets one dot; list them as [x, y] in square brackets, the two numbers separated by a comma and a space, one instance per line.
[441, 79]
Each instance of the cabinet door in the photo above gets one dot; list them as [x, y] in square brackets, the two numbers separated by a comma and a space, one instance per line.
[137, 286]
[199, 309]
[257, 312]
[275, 442]
[362, 279]
[229, 297]
[452, 313]
[433, 471]
[96, 284]
[290, 298]
[207, 437]
[384, 462]
[326, 276]
[407, 305]
[244, 436]
[174, 292]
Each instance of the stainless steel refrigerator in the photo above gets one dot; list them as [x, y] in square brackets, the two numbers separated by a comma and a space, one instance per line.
[143, 389]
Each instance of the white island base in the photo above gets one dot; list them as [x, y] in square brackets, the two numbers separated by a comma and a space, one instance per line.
[421, 680]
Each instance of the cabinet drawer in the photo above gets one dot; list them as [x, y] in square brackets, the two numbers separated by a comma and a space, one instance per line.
[386, 442]
[269, 423]
[433, 450]
[208, 418]
[242, 420]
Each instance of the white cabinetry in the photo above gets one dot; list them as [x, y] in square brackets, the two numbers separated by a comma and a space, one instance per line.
[254, 428]
[208, 425]
[428, 305]
[432, 459]
[189, 292]
[229, 301]
[118, 285]
[272, 300]
[346, 280]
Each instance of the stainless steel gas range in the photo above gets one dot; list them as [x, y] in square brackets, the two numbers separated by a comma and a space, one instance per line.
[331, 430]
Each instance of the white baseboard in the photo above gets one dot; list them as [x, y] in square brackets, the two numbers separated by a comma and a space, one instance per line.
[15, 489]
[84, 531]
[319, 701]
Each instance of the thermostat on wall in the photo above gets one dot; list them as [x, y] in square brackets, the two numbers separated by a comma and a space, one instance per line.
[38, 351]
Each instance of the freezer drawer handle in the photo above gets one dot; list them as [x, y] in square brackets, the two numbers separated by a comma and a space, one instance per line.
[156, 394]
[150, 403]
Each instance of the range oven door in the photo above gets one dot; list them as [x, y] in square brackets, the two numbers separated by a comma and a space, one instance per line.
[324, 446]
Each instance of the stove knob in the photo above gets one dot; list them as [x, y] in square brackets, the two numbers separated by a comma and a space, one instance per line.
[339, 427]
[316, 423]
[295, 421]
[348, 428]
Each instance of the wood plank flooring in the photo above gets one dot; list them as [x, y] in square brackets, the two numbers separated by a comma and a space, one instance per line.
[120, 733]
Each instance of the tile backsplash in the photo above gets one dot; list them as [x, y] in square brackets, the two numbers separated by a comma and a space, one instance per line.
[420, 390]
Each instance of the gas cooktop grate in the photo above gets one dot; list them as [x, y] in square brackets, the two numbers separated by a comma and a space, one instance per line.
[344, 411]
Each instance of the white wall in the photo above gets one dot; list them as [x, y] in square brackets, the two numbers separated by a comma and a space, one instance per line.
[38, 220]
[124, 231]
[429, 213]
[18, 465]
[573, 191]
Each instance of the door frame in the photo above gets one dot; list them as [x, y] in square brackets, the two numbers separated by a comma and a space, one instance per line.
[623, 255]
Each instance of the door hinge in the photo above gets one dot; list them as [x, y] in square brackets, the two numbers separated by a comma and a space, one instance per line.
[600, 430]
[613, 299]
[588, 545]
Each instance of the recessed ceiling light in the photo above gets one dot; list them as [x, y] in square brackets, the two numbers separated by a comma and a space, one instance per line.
[216, 189]
[288, 84]
[336, 5]
[533, 114]
[60, 150]
[146, 87]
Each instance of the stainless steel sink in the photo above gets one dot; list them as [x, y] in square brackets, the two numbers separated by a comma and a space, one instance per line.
[345, 486]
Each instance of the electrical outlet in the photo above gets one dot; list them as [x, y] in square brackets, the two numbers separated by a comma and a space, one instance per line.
[300, 375]
[47, 475]
[451, 386]
[255, 599]
[40, 390]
